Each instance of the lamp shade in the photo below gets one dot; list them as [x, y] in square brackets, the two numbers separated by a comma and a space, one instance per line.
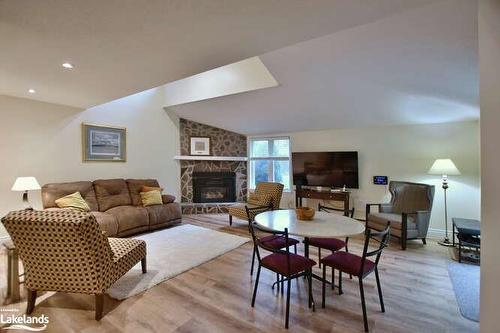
[444, 166]
[25, 184]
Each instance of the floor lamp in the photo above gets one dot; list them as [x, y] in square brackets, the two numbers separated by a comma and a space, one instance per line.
[444, 167]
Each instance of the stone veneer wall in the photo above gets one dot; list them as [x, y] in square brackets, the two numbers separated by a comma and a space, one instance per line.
[222, 143]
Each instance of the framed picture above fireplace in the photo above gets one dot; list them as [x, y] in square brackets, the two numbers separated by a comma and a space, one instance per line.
[200, 145]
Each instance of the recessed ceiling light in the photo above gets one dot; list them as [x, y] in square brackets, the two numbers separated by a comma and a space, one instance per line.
[31, 91]
[67, 65]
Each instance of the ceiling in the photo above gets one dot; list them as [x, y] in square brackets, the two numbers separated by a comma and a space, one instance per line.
[120, 47]
[416, 67]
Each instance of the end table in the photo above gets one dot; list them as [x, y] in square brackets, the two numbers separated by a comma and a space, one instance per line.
[13, 277]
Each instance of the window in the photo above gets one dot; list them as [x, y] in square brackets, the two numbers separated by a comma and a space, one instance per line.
[270, 161]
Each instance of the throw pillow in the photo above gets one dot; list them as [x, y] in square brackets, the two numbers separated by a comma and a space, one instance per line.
[73, 201]
[151, 188]
[151, 198]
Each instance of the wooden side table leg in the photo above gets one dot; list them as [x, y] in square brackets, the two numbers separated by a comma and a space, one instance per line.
[9, 274]
[14, 278]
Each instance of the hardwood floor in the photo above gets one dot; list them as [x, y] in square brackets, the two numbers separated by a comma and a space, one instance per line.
[215, 297]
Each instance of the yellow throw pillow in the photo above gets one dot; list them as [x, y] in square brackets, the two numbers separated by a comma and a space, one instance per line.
[73, 201]
[151, 198]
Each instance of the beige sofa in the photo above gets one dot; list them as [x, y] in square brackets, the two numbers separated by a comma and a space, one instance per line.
[116, 204]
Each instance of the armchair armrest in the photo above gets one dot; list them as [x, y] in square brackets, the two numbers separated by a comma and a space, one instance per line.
[167, 198]
[260, 208]
[368, 209]
[385, 208]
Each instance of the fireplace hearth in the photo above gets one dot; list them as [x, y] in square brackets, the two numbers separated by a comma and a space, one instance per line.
[214, 187]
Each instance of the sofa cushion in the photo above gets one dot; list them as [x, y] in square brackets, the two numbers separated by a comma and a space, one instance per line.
[159, 214]
[129, 217]
[52, 192]
[395, 219]
[135, 188]
[378, 221]
[107, 222]
[111, 193]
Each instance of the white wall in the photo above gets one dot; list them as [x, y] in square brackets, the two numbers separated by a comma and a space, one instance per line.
[44, 140]
[406, 153]
[489, 70]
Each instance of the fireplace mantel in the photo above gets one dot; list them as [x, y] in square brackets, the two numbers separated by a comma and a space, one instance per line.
[210, 158]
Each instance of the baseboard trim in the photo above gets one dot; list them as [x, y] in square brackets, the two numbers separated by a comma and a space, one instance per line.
[435, 233]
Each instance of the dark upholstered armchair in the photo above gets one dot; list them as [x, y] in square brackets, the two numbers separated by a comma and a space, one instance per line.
[409, 211]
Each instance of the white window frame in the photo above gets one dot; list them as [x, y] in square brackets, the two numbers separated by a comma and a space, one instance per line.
[270, 140]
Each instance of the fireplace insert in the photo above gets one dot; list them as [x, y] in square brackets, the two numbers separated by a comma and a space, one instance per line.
[214, 187]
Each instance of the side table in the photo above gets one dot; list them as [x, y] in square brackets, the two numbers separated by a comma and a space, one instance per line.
[468, 233]
[13, 277]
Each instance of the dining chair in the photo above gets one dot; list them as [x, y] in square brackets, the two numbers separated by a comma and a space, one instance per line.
[358, 266]
[282, 262]
[274, 241]
[331, 244]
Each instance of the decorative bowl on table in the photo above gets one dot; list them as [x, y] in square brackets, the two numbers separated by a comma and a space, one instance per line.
[305, 213]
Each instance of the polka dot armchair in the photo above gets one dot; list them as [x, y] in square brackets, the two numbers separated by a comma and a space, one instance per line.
[65, 251]
[267, 195]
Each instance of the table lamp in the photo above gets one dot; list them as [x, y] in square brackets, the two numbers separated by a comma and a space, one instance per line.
[25, 184]
[444, 167]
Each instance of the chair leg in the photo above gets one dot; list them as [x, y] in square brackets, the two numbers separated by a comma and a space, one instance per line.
[31, 301]
[323, 287]
[144, 265]
[403, 244]
[381, 299]
[347, 250]
[319, 257]
[253, 260]
[282, 285]
[340, 282]
[309, 288]
[277, 282]
[424, 241]
[363, 305]
[287, 317]
[99, 305]
[333, 278]
[295, 248]
[230, 220]
[256, 285]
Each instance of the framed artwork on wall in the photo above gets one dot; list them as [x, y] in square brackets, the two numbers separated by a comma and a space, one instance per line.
[104, 143]
[200, 145]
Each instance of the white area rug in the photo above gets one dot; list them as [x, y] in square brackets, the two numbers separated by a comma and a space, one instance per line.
[171, 252]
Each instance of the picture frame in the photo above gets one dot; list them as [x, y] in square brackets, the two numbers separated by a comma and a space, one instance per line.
[199, 146]
[101, 143]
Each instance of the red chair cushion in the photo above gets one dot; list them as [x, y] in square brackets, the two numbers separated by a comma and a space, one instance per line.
[277, 263]
[332, 244]
[348, 263]
[278, 242]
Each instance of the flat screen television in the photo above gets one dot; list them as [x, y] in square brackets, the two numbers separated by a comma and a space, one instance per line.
[331, 169]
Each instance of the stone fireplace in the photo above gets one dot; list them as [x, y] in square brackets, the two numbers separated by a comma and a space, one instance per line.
[211, 183]
[214, 187]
